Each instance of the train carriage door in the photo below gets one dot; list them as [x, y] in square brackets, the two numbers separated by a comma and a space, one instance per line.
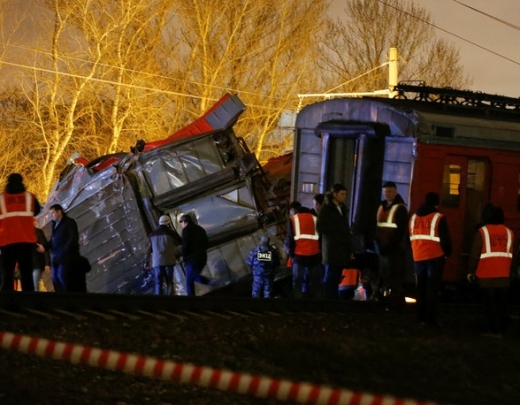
[465, 190]
[353, 155]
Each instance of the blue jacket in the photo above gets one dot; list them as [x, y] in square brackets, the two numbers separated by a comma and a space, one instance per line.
[263, 258]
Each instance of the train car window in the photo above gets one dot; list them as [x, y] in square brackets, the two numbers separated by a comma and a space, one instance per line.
[444, 132]
[451, 186]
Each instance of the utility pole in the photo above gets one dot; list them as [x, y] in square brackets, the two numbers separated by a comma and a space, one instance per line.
[393, 73]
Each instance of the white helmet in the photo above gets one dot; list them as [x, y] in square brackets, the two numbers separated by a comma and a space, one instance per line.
[164, 220]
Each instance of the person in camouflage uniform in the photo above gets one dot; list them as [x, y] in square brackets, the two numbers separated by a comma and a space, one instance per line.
[263, 260]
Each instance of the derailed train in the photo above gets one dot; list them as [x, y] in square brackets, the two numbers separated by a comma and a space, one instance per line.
[463, 145]
[204, 170]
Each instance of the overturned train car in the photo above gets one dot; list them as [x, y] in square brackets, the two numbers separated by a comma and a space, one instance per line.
[204, 170]
[461, 144]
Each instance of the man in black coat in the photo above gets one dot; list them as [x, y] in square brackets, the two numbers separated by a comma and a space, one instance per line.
[195, 244]
[64, 247]
[336, 245]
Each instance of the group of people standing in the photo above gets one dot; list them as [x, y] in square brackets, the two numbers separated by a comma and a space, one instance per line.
[318, 244]
[426, 233]
[493, 256]
[23, 244]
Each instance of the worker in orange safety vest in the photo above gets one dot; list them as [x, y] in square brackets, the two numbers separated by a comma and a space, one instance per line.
[492, 258]
[18, 207]
[431, 245]
[302, 245]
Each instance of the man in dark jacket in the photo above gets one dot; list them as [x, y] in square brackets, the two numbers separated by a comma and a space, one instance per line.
[391, 244]
[162, 249]
[195, 244]
[17, 234]
[336, 245]
[64, 248]
[431, 245]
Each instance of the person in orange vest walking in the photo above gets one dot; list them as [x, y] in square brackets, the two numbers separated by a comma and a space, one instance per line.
[302, 245]
[18, 207]
[431, 246]
[490, 263]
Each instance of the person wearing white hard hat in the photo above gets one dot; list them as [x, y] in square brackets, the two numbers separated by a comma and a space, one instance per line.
[162, 249]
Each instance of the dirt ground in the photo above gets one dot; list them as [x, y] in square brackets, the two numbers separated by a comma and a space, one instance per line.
[374, 351]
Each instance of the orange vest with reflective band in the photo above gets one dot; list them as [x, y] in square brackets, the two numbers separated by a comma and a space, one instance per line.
[424, 235]
[306, 237]
[497, 251]
[16, 218]
[386, 225]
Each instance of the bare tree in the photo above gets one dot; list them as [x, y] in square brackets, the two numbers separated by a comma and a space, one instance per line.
[264, 51]
[106, 74]
[357, 47]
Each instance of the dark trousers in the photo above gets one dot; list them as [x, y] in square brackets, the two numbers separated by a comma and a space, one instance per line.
[20, 253]
[306, 280]
[331, 280]
[163, 274]
[428, 275]
[193, 276]
[391, 277]
[67, 278]
[495, 301]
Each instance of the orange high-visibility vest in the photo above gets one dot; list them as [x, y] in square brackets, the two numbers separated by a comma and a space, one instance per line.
[497, 251]
[306, 236]
[386, 225]
[350, 277]
[424, 235]
[16, 218]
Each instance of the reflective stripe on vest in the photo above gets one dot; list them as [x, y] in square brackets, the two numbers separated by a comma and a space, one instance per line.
[389, 223]
[497, 252]
[486, 245]
[28, 212]
[297, 229]
[433, 227]
[16, 218]
[306, 237]
[426, 245]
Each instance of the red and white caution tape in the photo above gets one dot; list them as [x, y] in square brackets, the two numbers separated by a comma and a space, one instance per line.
[224, 380]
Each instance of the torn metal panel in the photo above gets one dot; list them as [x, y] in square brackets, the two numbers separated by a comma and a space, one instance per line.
[203, 169]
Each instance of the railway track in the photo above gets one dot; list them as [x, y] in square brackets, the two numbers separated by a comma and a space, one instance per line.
[16, 302]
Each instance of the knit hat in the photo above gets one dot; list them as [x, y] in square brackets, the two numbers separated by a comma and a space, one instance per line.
[15, 178]
[164, 220]
[185, 218]
[432, 199]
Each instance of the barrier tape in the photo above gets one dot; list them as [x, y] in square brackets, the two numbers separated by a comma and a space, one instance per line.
[184, 373]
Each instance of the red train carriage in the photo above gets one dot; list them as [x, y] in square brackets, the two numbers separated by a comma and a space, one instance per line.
[461, 144]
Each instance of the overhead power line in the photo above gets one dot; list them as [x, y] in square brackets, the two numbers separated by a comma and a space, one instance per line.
[511, 25]
[153, 75]
[450, 33]
[173, 93]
